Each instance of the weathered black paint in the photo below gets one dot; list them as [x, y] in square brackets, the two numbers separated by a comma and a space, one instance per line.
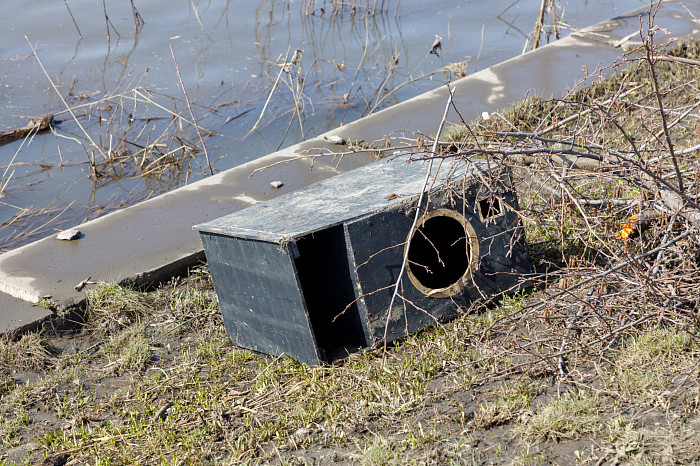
[502, 262]
[310, 274]
[260, 297]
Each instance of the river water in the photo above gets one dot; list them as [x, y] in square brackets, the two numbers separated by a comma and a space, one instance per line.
[128, 135]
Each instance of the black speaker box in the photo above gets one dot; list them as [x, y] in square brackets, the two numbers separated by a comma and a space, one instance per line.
[311, 273]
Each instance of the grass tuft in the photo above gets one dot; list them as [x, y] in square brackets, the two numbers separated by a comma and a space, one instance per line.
[569, 416]
[29, 352]
[112, 307]
[128, 349]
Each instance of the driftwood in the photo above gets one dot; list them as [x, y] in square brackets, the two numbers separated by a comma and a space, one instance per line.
[32, 127]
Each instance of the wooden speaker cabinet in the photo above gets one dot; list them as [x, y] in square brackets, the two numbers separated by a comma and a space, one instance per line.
[310, 274]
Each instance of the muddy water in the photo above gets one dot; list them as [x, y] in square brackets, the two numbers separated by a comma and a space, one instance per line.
[120, 79]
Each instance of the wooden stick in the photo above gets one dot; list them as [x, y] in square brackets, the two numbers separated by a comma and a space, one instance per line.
[189, 107]
[428, 172]
[89, 138]
[71, 17]
[272, 91]
[32, 127]
[649, 46]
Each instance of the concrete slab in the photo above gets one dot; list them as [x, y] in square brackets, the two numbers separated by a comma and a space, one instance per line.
[152, 240]
[18, 315]
[676, 18]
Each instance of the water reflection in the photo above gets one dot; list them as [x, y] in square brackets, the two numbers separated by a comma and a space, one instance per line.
[236, 61]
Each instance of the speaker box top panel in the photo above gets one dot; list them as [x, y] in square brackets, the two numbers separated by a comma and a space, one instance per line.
[350, 195]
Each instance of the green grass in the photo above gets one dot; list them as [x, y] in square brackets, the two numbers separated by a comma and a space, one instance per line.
[280, 401]
[227, 404]
[638, 445]
[128, 349]
[645, 367]
[571, 415]
[509, 402]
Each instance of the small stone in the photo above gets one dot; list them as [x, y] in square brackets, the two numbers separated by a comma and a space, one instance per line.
[485, 115]
[69, 235]
[335, 139]
[276, 184]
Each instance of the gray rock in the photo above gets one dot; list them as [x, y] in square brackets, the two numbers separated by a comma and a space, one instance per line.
[302, 433]
[69, 235]
[335, 139]
[276, 184]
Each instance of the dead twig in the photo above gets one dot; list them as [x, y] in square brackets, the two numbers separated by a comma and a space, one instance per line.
[189, 107]
[33, 127]
[65, 2]
[419, 206]
[68, 108]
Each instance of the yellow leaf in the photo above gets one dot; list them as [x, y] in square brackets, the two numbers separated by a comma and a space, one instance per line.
[628, 227]
[624, 233]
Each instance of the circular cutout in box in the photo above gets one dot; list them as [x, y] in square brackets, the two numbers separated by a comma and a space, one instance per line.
[443, 253]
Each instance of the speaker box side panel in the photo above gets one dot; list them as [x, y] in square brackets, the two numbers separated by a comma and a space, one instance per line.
[260, 297]
[377, 245]
[503, 256]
